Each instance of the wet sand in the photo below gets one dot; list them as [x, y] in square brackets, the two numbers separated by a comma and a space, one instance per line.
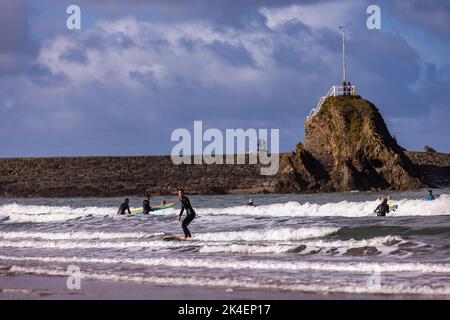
[31, 287]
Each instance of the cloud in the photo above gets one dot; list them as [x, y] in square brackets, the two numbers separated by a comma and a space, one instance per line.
[122, 85]
[433, 16]
[315, 15]
[155, 74]
[16, 45]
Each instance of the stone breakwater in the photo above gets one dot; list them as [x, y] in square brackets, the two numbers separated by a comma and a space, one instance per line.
[434, 167]
[120, 176]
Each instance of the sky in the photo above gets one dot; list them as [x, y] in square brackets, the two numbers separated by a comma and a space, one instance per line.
[137, 70]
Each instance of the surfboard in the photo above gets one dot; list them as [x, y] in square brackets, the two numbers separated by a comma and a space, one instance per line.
[171, 237]
[392, 209]
[155, 208]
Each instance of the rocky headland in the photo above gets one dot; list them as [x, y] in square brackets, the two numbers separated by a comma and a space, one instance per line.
[347, 147]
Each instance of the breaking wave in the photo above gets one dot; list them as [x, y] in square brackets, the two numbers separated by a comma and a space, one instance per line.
[360, 287]
[41, 214]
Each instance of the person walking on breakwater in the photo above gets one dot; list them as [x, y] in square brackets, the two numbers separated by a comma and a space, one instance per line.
[146, 208]
[190, 213]
[124, 207]
[344, 88]
[382, 208]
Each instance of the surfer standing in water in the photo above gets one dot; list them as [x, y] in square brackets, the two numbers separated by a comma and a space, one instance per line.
[430, 196]
[146, 208]
[190, 213]
[383, 208]
[124, 207]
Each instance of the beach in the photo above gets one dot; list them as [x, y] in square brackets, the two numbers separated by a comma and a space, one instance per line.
[32, 287]
[288, 247]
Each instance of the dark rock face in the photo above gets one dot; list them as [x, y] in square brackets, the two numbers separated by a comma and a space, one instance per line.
[348, 147]
[300, 172]
[433, 167]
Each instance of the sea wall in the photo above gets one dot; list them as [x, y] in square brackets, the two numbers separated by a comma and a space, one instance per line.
[121, 176]
[117, 176]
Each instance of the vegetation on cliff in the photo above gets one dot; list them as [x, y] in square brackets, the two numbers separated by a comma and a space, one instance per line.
[348, 147]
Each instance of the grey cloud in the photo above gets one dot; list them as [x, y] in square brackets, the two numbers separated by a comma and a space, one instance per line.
[43, 76]
[231, 54]
[431, 15]
[74, 55]
[16, 45]
[105, 117]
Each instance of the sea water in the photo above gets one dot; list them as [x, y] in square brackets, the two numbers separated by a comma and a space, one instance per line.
[315, 243]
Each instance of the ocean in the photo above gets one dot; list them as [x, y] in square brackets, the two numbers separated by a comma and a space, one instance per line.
[314, 243]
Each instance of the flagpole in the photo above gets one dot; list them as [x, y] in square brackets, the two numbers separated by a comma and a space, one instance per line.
[344, 62]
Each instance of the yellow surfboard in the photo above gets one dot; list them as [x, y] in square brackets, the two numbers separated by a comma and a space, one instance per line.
[155, 208]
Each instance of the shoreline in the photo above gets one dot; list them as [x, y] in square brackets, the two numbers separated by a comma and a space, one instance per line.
[42, 287]
[233, 193]
[252, 191]
[98, 177]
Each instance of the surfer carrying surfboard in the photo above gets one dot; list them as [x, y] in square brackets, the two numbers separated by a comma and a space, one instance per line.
[190, 213]
[383, 208]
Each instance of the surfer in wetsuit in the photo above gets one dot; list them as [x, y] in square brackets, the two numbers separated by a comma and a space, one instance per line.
[383, 208]
[146, 208]
[190, 213]
[124, 207]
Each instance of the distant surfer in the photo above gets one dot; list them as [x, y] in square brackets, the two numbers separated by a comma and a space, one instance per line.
[190, 213]
[124, 207]
[383, 208]
[430, 196]
[146, 208]
[250, 203]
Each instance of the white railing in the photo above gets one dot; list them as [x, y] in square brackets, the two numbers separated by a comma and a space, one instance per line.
[333, 92]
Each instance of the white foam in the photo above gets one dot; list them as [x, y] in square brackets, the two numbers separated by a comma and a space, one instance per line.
[29, 213]
[231, 264]
[440, 206]
[247, 249]
[61, 242]
[383, 244]
[38, 214]
[268, 235]
[372, 242]
[76, 235]
[65, 245]
[241, 283]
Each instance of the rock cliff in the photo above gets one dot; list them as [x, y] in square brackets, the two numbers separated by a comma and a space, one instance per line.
[348, 147]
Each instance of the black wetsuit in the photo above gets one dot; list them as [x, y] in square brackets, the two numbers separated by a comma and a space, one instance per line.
[190, 215]
[124, 207]
[146, 206]
[382, 210]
